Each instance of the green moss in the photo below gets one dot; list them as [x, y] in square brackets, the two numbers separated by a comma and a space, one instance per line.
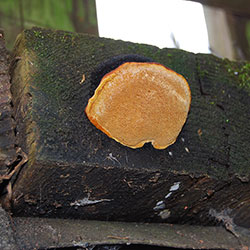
[240, 72]
[201, 72]
[244, 76]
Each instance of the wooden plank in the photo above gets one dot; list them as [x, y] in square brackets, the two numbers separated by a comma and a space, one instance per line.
[76, 171]
[241, 7]
[44, 233]
[220, 37]
[229, 38]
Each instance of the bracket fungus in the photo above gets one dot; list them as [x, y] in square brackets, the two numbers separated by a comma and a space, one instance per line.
[140, 102]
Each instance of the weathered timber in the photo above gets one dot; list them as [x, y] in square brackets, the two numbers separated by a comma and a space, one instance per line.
[7, 238]
[47, 233]
[76, 171]
[7, 125]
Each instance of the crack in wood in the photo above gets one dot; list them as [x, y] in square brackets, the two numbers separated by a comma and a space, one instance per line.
[202, 91]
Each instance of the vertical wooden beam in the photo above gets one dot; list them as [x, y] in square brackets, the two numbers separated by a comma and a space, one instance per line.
[220, 38]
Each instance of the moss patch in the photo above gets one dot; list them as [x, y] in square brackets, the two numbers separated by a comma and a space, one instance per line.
[240, 72]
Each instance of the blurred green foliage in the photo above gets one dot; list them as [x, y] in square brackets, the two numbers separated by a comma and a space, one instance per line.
[70, 15]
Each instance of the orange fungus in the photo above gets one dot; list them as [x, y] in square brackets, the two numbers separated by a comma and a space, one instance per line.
[141, 102]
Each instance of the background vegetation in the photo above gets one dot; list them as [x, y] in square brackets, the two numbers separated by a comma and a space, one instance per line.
[71, 15]
[231, 40]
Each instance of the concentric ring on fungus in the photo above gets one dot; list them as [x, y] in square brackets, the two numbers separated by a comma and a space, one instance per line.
[138, 103]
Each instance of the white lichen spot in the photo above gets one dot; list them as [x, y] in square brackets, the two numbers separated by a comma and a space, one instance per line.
[113, 159]
[160, 205]
[175, 186]
[86, 202]
[168, 195]
[84, 245]
[165, 214]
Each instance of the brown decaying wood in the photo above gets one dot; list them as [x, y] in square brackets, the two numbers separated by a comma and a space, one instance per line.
[7, 138]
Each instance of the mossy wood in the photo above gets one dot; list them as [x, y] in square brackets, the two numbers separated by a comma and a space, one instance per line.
[76, 171]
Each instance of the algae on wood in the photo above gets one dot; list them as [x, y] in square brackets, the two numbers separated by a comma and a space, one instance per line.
[76, 171]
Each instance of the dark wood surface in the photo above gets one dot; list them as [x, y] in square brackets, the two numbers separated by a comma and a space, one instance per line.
[76, 171]
[7, 125]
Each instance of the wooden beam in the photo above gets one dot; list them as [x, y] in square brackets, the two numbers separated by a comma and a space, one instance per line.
[76, 171]
[33, 233]
[219, 34]
[241, 7]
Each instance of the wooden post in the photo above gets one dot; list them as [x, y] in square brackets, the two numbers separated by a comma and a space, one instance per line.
[220, 37]
[227, 27]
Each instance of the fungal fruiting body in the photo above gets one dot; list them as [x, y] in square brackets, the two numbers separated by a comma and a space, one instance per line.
[138, 103]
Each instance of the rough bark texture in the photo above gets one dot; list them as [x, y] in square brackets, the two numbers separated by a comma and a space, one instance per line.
[76, 171]
[7, 137]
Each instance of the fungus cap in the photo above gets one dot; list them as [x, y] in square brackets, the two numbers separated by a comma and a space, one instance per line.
[141, 102]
